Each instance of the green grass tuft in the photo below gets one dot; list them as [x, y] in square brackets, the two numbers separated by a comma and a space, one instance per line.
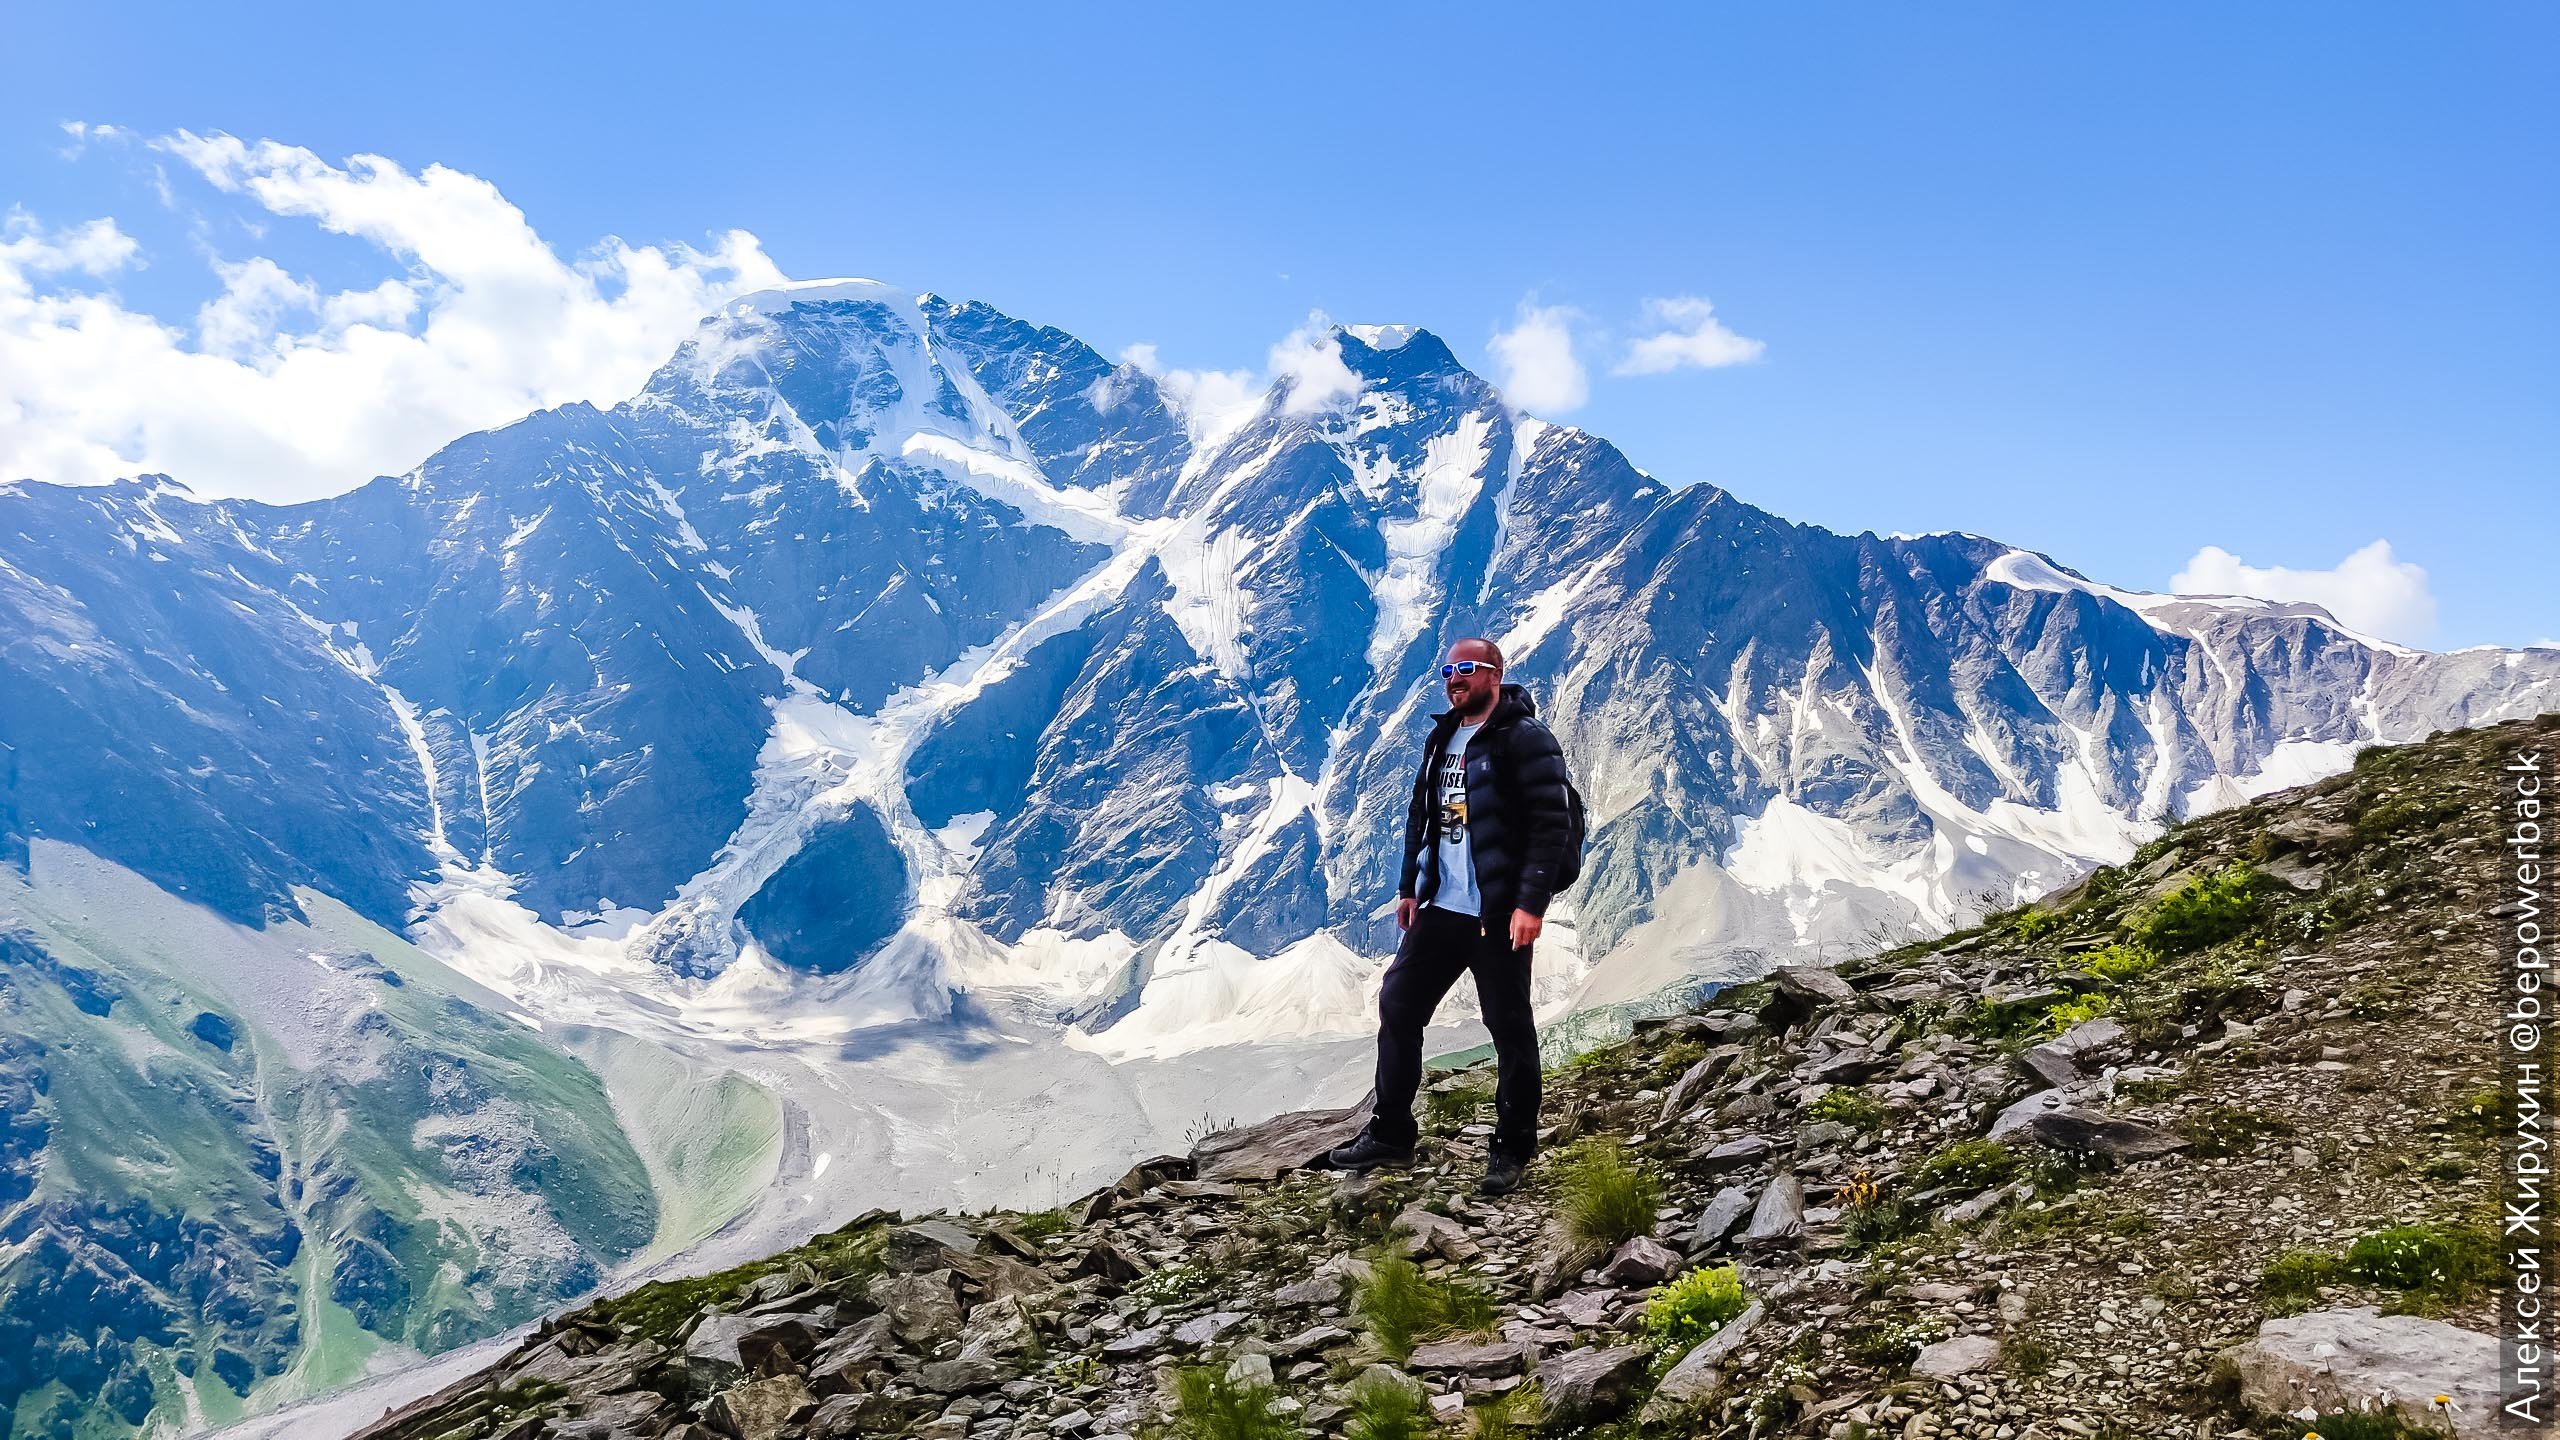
[1604, 1197]
[1513, 1415]
[1209, 1406]
[1404, 1307]
[1384, 1410]
[1449, 1109]
[1041, 1224]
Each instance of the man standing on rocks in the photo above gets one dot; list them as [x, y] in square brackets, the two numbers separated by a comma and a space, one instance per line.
[1489, 838]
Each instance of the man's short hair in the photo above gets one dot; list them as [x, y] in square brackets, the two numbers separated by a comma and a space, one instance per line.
[1490, 648]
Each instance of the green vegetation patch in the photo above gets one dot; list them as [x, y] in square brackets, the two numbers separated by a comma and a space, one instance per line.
[1893, 1344]
[659, 1309]
[2404, 817]
[1449, 1109]
[1856, 1108]
[2120, 963]
[1694, 1307]
[2432, 1265]
[1381, 1409]
[1513, 1415]
[2207, 910]
[2353, 1425]
[1171, 1284]
[1967, 1165]
[2078, 1010]
[2031, 924]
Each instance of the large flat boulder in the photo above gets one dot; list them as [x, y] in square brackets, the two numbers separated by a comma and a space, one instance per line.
[2050, 1119]
[2078, 1054]
[2361, 1359]
[1587, 1386]
[1798, 992]
[1295, 1141]
[760, 1409]
[1722, 1213]
[1949, 1358]
[1779, 1217]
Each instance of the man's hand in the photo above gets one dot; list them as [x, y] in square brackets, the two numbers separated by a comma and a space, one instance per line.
[1404, 912]
[1525, 927]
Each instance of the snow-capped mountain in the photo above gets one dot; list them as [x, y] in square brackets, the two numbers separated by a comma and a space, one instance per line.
[886, 637]
[889, 663]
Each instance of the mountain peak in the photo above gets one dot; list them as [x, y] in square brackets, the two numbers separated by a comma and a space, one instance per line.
[776, 299]
[1382, 337]
[1391, 353]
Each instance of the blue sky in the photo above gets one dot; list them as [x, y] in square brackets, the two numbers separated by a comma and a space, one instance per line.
[2114, 282]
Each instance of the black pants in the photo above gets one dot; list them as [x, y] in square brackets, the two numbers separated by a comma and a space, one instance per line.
[1441, 945]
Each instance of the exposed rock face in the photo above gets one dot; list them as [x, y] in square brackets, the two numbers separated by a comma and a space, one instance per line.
[1722, 1213]
[2048, 1119]
[1779, 1216]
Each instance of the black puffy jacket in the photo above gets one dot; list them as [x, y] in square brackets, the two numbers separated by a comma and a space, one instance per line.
[1517, 821]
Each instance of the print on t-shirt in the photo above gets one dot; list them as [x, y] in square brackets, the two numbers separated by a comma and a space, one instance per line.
[1453, 798]
[1457, 891]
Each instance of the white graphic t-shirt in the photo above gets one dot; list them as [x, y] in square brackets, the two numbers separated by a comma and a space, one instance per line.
[1457, 858]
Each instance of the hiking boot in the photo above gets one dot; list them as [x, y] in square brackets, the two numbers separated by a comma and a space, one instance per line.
[1502, 1174]
[1365, 1151]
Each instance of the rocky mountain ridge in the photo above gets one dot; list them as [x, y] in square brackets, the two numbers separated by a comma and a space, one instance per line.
[2201, 1145]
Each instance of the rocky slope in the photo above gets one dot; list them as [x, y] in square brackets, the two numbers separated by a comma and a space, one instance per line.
[2111, 1164]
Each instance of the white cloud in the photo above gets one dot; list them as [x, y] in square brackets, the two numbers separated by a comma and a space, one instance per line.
[2369, 590]
[81, 133]
[97, 249]
[283, 391]
[1539, 371]
[1687, 333]
[1213, 403]
[1309, 360]
[1306, 369]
